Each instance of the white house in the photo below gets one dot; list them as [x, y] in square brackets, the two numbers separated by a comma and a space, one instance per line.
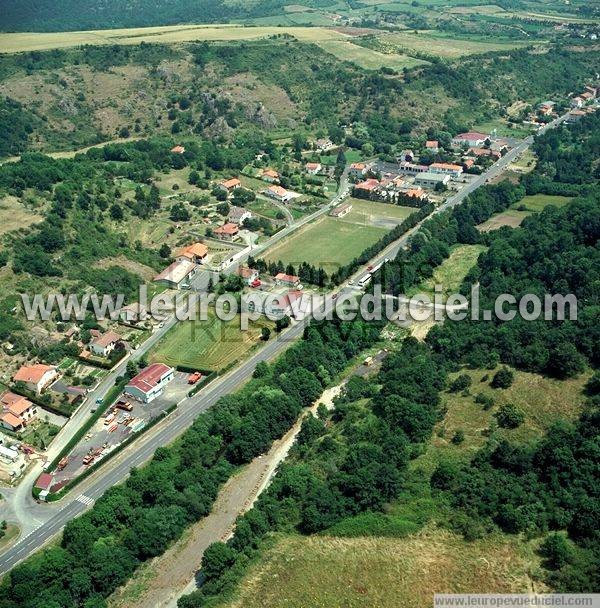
[36, 377]
[472, 139]
[150, 382]
[178, 274]
[103, 344]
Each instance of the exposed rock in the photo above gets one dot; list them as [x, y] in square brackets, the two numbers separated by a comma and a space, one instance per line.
[263, 117]
[218, 128]
[67, 106]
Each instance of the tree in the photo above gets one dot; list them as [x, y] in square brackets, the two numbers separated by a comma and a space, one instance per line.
[509, 416]
[503, 378]
[164, 251]
[116, 212]
[460, 383]
[265, 334]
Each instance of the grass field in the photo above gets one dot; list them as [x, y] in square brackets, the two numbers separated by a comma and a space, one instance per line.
[543, 400]
[428, 42]
[298, 572]
[519, 211]
[328, 242]
[372, 213]
[30, 41]
[14, 215]
[208, 345]
[452, 271]
[367, 58]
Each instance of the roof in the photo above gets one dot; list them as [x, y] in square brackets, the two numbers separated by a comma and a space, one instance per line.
[341, 208]
[178, 149]
[106, 339]
[196, 250]
[448, 166]
[245, 272]
[471, 135]
[236, 213]
[150, 377]
[434, 177]
[469, 162]
[287, 278]
[415, 193]
[15, 404]
[176, 272]
[369, 184]
[231, 183]
[286, 300]
[431, 143]
[278, 190]
[228, 228]
[12, 419]
[32, 373]
[483, 152]
[359, 166]
[313, 165]
[270, 173]
[44, 481]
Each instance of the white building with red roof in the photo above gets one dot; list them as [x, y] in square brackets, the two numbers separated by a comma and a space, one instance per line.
[150, 382]
[472, 139]
[36, 377]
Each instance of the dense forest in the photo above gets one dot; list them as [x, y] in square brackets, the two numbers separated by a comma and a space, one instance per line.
[137, 520]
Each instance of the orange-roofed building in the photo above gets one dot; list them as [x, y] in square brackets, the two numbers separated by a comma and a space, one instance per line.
[446, 169]
[17, 411]
[368, 185]
[358, 169]
[432, 145]
[229, 185]
[313, 168]
[226, 232]
[270, 175]
[178, 150]
[36, 377]
[193, 253]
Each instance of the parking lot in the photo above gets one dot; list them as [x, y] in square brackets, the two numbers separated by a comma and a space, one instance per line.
[116, 425]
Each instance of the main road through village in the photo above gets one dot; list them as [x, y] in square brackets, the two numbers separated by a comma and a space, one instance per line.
[51, 518]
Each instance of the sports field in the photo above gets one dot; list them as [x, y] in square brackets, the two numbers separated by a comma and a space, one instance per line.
[328, 243]
[372, 213]
[207, 345]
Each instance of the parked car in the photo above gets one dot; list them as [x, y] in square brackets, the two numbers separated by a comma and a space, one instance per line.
[193, 378]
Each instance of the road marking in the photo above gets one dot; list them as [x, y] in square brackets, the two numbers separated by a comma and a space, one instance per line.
[86, 500]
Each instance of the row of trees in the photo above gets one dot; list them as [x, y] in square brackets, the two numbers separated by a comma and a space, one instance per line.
[138, 519]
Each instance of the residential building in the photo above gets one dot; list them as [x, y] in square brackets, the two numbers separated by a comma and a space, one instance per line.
[17, 411]
[287, 279]
[238, 215]
[358, 169]
[248, 274]
[178, 150]
[431, 180]
[313, 168]
[341, 210]
[324, 145]
[36, 377]
[279, 194]
[495, 154]
[471, 139]
[446, 169]
[150, 382]
[286, 303]
[270, 175]
[178, 274]
[468, 163]
[366, 187]
[417, 193]
[432, 145]
[196, 253]
[133, 313]
[226, 232]
[229, 185]
[410, 168]
[104, 344]
[577, 102]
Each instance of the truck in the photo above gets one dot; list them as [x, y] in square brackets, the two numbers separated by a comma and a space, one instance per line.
[88, 459]
[368, 361]
[364, 281]
[109, 419]
[124, 405]
[63, 463]
[193, 378]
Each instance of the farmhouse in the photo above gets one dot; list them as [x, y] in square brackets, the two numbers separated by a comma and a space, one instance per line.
[341, 210]
[36, 377]
[238, 215]
[229, 185]
[133, 313]
[196, 253]
[279, 193]
[446, 169]
[17, 411]
[313, 168]
[470, 139]
[178, 274]
[178, 150]
[432, 180]
[432, 145]
[287, 279]
[270, 175]
[358, 169]
[103, 344]
[150, 382]
[226, 232]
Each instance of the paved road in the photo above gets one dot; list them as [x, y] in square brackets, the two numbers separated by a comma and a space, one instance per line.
[167, 430]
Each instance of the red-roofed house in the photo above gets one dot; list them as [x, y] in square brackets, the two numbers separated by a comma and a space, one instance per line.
[229, 185]
[193, 253]
[283, 305]
[226, 232]
[44, 481]
[270, 175]
[471, 139]
[17, 411]
[279, 194]
[150, 382]
[287, 279]
[36, 377]
[432, 145]
[368, 185]
[313, 168]
[178, 150]
[358, 169]
[105, 343]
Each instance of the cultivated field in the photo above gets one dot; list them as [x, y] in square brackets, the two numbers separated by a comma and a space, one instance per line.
[29, 41]
[428, 42]
[384, 572]
[328, 242]
[207, 345]
[519, 211]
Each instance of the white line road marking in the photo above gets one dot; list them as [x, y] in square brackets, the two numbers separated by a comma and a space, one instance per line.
[86, 500]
